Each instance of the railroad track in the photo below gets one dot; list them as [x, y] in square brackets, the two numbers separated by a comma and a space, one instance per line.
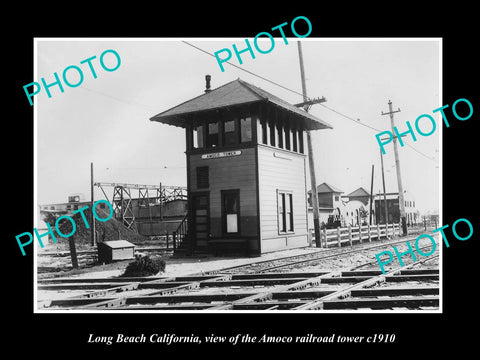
[413, 286]
[310, 259]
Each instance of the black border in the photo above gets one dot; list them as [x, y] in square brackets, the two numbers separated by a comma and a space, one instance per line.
[416, 335]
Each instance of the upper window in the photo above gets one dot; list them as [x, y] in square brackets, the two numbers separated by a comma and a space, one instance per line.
[288, 138]
[213, 135]
[273, 135]
[246, 129]
[280, 136]
[230, 133]
[262, 133]
[198, 137]
[294, 140]
[300, 141]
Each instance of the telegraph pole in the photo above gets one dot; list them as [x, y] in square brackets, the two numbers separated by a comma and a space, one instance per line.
[313, 181]
[384, 190]
[371, 196]
[92, 219]
[397, 166]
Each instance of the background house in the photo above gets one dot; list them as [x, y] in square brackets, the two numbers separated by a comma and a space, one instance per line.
[393, 208]
[357, 207]
[331, 206]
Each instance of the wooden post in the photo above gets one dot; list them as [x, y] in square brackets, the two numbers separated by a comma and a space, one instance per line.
[174, 235]
[401, 198]
[378, 231]
[166, 237]
[339, 237]
[369, 234]
[360, 232]
[371, 198]
[311, 162]
[92, 218]
[73, 252]
[325, 237]
[350, 234]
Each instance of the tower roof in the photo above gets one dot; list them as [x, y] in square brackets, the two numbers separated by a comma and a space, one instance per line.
[234, 93]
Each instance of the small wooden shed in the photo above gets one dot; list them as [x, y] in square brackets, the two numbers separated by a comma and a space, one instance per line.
[115, 250]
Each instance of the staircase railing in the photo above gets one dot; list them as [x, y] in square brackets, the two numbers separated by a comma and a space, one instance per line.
[181, 233]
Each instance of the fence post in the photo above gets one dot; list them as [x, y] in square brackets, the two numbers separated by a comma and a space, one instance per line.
[350, 234]
[167, 240]
[378, 231]
[174, 235]
[360, 232]
[325, 237]
[369, 234]
[339, 237]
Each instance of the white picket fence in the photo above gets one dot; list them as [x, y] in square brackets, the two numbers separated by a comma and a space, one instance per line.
[354, 235]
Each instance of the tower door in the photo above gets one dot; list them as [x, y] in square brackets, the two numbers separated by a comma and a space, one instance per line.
[231, 212]
[200, 217]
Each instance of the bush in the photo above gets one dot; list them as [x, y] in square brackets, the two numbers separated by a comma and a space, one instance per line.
[144, 266]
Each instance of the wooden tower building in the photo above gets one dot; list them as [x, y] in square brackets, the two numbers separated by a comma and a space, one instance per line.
[246, 168]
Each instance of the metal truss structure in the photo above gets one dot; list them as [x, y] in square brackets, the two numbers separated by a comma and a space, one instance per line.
[146, 196]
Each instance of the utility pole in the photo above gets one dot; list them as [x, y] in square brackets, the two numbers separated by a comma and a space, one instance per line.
[384, 191]
[92, 219]
[397, 166]
[371, 197]
[313, 181]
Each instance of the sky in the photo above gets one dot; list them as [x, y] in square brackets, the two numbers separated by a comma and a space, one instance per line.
[106, 120]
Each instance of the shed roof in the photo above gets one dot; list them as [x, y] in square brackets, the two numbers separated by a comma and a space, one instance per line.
[327, 188]
[116, 244]
[359, 192]
[234, 93]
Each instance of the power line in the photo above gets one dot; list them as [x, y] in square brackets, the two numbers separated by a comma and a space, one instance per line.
[371, 127]
[247, 71]
[356, 121]
[426, 156]
[283, 87]
[131, 103]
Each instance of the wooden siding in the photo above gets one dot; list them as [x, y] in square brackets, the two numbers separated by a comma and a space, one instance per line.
[283, 171]
[228, 173]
